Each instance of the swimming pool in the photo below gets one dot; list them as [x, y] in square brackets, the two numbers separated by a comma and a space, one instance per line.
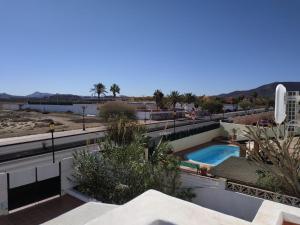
[214, 154]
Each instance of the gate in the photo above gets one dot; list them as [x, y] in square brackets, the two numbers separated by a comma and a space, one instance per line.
[33, 185]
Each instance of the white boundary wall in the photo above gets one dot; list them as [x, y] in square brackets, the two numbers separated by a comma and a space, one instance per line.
[211, 193]
[194, 140]
[240, 128]
[3, 194]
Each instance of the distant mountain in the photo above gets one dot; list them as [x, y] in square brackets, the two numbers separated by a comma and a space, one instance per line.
[267, 90]
[5, 96]
[39, 95]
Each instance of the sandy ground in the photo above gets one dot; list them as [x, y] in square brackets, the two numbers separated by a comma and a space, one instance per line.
[20, 123]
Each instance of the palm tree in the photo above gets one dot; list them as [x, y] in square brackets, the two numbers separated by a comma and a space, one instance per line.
[115, 89]
[158, 97]
[190, 98]
[174, 97]
[254, 95]
[99, 89]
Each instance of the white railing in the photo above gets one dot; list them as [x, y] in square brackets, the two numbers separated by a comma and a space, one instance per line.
[264, 194]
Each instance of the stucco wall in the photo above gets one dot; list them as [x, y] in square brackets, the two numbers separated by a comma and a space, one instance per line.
[3, 194]
[211, 193]
[227, 130]
[90, 109]
[66, 174]
[194, 140]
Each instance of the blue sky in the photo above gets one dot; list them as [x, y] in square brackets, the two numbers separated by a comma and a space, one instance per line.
[201, 46]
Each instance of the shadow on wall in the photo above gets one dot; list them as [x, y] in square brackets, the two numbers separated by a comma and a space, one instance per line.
[161, 222]
[228, 202]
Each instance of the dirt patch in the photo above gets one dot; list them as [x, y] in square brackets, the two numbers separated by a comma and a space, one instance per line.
[19, 123]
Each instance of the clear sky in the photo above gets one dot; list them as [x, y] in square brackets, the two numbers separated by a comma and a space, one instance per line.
[203, 46]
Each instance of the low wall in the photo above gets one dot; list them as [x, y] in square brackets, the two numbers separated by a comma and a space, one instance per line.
[211, 193]
[194, 140]
[240, 128]
[3, 194]
[90, 109]
[66, 175]
[34, 174]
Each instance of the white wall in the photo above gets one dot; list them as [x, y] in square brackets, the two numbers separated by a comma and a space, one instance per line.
[228, 202]
[3, 194]
[66, 175]
[211, 193]
[227, 130]
[91, 109]
[194, 140]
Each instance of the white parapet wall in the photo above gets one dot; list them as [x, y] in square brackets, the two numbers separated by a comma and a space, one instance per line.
[210, 193]
[227, 130]
[3, 194]
[66, 175]
[194, 140]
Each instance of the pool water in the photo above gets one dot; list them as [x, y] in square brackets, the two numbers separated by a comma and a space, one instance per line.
[214, 154]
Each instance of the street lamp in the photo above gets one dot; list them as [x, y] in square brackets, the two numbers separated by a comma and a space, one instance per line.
[52, 129]
[83, 119]
[174, 117]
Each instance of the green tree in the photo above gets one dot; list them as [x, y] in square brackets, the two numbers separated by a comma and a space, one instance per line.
[99, 89]
[158, 97]
[114, 89]
[174, 98]
[245, 104]
[254, 95]
[189, 98]
[235, 102]
[213, 106]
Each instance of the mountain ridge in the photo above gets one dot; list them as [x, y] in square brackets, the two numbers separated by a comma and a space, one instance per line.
[266, 90]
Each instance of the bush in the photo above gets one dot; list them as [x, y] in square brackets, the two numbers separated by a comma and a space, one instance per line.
[112, 111]
[120, 172]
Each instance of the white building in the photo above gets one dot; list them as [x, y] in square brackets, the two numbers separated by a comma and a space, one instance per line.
[155, 208]
[293, 107]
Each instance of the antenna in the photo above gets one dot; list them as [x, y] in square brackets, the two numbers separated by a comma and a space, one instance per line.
[280, 104]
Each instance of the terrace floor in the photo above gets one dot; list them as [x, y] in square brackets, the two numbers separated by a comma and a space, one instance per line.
[237, 170]
[41, 213]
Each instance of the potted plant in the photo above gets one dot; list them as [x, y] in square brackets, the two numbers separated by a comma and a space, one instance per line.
[203, 171]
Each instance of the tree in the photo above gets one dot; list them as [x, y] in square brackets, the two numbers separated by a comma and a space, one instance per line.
[115, 89]
[213, 106]
[99, 89]
[241, 98]
[254, 95]
[245, 104]
[174, 98]
[112, 111]
[235, 102]
[158, 97]
[189, 98]
[284, 155]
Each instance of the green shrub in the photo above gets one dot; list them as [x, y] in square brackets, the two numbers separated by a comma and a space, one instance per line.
[120, 172]
[112, 111]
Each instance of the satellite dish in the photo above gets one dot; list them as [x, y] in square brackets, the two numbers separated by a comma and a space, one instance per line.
[280, 104]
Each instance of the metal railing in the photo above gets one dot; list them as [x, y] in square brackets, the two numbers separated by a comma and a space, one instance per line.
[264, 194]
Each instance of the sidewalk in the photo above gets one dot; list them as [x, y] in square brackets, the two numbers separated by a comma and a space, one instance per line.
[38, 137]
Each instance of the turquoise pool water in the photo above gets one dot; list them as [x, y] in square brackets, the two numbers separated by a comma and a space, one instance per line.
[214, 154]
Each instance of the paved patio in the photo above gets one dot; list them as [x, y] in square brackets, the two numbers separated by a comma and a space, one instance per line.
[42, 212]
[237, 170]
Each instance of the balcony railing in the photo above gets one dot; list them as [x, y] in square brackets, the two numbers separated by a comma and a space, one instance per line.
[264, 194]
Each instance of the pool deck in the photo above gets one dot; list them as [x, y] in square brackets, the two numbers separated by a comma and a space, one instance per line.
[238, 170]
